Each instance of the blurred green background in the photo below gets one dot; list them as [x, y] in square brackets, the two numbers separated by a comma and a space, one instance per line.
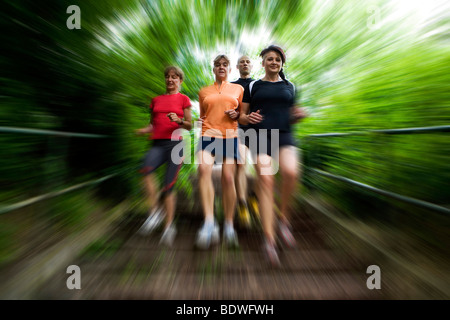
[359, 65]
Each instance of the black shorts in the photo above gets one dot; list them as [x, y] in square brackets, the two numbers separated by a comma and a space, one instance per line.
[220, 148]
[160, 153]
[265, 143]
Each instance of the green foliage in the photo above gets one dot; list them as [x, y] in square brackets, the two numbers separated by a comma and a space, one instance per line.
[70, 211]
[355, 77]
[354, 73]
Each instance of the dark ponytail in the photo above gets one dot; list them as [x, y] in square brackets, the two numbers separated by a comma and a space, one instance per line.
[281, 73]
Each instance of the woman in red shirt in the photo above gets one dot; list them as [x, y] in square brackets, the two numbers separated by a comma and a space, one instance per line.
[169, 112]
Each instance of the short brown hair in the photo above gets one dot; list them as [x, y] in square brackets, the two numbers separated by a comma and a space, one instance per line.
[175, 69]
[221, 56]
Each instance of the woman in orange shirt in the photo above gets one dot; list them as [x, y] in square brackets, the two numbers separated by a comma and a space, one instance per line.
[219, 111]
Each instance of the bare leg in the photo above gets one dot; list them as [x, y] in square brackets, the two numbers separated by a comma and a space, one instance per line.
[206, 186]
[228, 191]
[150, 184]
[265, 196]
[241, 177]
[155, 214]
[289, 169]
[170, 205]
[209, 233]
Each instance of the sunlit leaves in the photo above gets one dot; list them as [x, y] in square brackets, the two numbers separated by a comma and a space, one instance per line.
[359, 64]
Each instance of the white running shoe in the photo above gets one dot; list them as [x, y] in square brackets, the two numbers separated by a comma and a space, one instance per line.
[207, 235]
[230, 237]
[153, 221]
[168, 236]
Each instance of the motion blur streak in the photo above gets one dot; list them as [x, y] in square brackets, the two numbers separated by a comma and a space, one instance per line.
[357, 65]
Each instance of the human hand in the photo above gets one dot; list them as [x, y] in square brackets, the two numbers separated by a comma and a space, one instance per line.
[201, 120]
[174, 118]
[298, 113]
[255, 117]
[233, 114]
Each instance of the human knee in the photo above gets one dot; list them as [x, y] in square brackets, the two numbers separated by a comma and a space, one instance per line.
[204, 170]
[266, 181]
[240, 171]
[289, 174]
[166, 192]
[227, 178]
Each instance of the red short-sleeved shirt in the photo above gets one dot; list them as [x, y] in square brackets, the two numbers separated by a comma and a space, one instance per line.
[160, 107]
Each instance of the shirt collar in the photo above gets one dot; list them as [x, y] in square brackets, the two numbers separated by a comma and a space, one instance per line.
[223, 82]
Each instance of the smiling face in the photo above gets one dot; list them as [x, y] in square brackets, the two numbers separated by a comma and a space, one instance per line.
[221, 69]
[272, 62]
[244, 66]
[173, 81]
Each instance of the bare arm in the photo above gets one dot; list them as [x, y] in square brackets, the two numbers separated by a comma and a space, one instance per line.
[252, 118]
[243, 118]
[187, 122]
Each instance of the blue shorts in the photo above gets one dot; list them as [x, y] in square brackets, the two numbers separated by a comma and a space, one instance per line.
[242, 138]
[220, 148]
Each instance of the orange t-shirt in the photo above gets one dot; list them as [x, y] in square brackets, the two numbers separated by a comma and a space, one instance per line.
[214, 101]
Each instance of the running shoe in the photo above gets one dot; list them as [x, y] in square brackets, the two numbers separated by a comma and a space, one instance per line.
[230, 237]
[286, 235]
[153, 221]
[168, 236]
[253, 204]
[207, 235]
[271, 254]
[244, 215]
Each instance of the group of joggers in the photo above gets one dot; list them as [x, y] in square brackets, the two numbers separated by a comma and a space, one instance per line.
[240, 120]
